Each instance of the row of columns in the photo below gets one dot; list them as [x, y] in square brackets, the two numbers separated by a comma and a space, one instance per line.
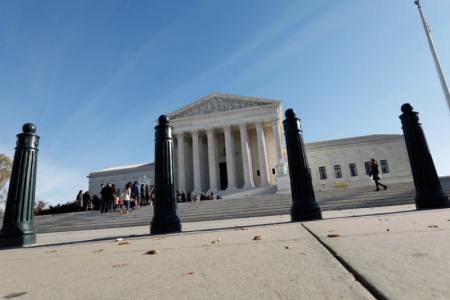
[229, 148]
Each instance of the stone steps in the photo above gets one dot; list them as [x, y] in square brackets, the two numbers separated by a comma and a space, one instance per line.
[267, 205]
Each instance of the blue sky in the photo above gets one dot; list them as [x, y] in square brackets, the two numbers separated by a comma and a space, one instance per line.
[94, 75]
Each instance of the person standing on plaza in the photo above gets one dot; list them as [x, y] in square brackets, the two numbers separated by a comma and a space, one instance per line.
[153, 196]
[375, 173]
[189, 196]
[183, 196]
[137, 193]
[126, 196]
[86, 201]
[114, 198]
[142, 203]
[104, 193]
[148, 194]
[80, 200]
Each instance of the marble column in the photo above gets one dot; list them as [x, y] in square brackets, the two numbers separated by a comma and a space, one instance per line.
[229, 149]
[277, 137]
[212, 160]
[196, 163]
[181, 172]
[264, 171]
[246, 156]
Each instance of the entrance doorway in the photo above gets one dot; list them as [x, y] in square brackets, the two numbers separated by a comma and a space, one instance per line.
[223, 176]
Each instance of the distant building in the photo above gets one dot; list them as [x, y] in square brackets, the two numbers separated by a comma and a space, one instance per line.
[250, 129]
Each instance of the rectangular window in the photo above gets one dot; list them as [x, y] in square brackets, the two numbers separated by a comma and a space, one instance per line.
[273, 171]
[353, 171]
[337, 171]
[384, 166]
[323, 173]
[367, 165]
[257, 172]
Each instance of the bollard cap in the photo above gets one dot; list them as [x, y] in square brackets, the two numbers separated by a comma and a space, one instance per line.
[163, 119]
[29, 128]
[290, 113]
[407, 108]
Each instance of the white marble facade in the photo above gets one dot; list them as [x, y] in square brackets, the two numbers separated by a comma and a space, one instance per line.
[207, 131]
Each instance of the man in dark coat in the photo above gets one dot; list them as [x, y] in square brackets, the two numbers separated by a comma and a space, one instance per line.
[86, 201]
[189, 196]
[106, 193]
[183, 196]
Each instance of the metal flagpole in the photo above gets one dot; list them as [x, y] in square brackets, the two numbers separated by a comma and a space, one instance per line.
[435, 57]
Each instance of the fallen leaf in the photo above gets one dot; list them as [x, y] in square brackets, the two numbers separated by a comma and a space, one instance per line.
[336, 255]
[122, 265]
[119, 239]
[272, 224]
[334, 235]
[330, 230]
[387, 229]
[216, 241]
[302, 253]
[289, 247]
[125, 243]
[160, 238]
[99, 250]
[433, 226]
[258, 238]
[190, 273]
[352, 274]
[152, 252]
[51, 251]
[206, 245]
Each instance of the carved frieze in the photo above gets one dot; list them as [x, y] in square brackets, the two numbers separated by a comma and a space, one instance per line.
[217, 104]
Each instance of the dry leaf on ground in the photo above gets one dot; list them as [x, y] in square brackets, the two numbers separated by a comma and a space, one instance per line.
[241, 228]
[160, 238]
[433, 226]
[302, 253]
[151, 252]
[387, 229]
[330, 230]
[190, 273]
[272, 224]
[206, 245]
[289, 247]
[216, 241]
[125, 243]
[334, 235]
[122, 265]
[51, 251]
[258, 238]
[99, 250]
[119, 239]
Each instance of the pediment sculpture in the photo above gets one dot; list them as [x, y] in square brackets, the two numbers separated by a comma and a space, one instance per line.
[217, 105]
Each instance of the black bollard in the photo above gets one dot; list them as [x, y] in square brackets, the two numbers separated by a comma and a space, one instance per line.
[429, 193]
[165, 217]
[18, 228]
[304, 205]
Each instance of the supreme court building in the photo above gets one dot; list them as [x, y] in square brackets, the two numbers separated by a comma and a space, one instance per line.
[229, 142]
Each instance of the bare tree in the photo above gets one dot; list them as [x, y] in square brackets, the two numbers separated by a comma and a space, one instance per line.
[38, 206]
[5, 174]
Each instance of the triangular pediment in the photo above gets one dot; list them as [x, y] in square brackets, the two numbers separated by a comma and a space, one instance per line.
[217, 103]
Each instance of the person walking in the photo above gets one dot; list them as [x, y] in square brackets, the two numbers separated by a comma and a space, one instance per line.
[80, 200]
[126, 196]
[86, 201]
[142, 200]
[189, 196]
[375, 173]
[113, 202]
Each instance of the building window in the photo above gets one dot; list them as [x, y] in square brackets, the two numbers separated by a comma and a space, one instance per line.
[337, 171]
[323, 173]
[257, 172]
[384, 166]
[273, 171]
[367, 166]
[353, 171]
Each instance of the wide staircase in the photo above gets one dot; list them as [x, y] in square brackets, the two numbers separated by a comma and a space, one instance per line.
[250, 206]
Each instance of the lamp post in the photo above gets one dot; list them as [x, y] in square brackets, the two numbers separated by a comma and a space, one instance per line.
[435, 56]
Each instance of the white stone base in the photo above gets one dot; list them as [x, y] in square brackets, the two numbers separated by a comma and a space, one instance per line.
[283, 184]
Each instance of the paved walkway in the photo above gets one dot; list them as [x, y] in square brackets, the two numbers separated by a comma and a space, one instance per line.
[382, 253]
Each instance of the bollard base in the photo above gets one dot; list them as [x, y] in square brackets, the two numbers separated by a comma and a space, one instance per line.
[159, 228]
[432, 203]
[306, 214]
[8, 240]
